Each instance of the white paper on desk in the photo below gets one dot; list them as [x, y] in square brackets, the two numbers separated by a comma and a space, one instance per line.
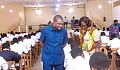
[118, 51]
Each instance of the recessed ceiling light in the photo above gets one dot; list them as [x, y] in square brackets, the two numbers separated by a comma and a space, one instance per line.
[38, 12]
[2, 7]
[58, 0]
[11, 10]
[57, 5]
[99, 6]
[70, 10]
[110, 1]
[56, 9]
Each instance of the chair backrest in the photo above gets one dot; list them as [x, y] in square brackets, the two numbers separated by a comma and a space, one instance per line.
[104, 48]
[0, 47]
[30, 58]
[113, 61]
[26, 62]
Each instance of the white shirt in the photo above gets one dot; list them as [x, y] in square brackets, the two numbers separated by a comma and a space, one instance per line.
[11, 37]
[28, 43]
[34, 38]
[25, 34]
[67, 57]
[72, 32]
[16, 48]
[22, 45]
[8, 35]
[1, 42]
[67, 49]
[79, 63]
[107, 33]
[100, 31]
[115, 43]
[104, 39]
[4, 39]
[65, 20]
[3, 64]
[16, 35]
[38, 35]
[87, 56]
[76, 33]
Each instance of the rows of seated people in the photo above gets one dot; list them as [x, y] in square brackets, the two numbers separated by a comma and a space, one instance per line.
[24, 42]
[76, 32]
[107, 42]
[76, 59]
[14, 46]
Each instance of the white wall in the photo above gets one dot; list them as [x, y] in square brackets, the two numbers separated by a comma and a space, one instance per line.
[96, 14]
[9, 21]
[32, 18]
[116, 11]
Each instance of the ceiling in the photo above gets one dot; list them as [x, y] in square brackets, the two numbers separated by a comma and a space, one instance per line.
[41, 3]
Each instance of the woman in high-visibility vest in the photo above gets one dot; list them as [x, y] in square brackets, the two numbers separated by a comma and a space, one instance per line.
[89, 35]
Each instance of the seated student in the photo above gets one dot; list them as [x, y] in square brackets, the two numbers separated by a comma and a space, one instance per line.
[103, 30]
[99, 61]
[78, 61]
[73, 20]
[67, 48]
[76, 32]
[4, 38]
[9, 55]
[11, 36]
[22, 45]
[114, 43]
[28, 42]
[107, 32]
[100, 31]
[33, 37]
[38, 34]
[68, 54]
[105, 39]
[71, 32]
[16, 47]
[3, 64]
[74, 44]
[31, 42]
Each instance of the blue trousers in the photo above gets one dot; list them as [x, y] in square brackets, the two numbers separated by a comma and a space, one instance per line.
[50, 67]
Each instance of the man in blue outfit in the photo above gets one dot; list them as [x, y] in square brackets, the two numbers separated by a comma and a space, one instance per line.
[53, 38]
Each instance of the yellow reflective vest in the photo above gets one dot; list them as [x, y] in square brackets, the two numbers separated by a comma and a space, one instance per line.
[84, 44]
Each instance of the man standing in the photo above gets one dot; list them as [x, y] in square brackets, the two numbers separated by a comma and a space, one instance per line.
[73, 20]
[65, 22]
[114, 29]
[53, 39]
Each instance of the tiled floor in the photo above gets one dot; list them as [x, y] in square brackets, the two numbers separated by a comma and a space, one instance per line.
[37, 65]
